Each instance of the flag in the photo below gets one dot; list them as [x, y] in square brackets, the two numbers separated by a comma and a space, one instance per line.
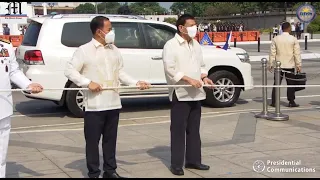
[206, 40]
[226, 45]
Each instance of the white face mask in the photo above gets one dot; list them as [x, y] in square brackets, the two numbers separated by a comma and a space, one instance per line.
[109, 37]
[192, 31]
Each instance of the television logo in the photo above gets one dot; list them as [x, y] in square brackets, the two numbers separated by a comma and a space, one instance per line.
[306, 13]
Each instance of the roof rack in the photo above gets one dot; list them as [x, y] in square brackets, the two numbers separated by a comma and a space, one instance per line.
[58, 16]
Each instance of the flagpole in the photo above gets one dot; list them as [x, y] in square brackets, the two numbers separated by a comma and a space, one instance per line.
[198, 32]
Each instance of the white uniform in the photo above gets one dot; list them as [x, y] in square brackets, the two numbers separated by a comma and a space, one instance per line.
[9, 71]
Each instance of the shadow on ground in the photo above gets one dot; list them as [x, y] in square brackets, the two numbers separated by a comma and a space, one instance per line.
[14, 169]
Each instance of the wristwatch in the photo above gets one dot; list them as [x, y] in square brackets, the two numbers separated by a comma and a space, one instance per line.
[204, 78]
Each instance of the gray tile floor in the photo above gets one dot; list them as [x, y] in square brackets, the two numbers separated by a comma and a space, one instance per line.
[230, 145]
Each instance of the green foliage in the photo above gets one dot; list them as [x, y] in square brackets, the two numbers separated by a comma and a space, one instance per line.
[146, 8]
[177, 7]
[86, 8]
[109, 7]
[222, 9]
[314, 26]
[267, 6]
[124, 10]
[170, 20]
[227, 8]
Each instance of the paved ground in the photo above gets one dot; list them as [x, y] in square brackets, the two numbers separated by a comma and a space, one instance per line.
[252, 49]
[265, 36]
[231, 143]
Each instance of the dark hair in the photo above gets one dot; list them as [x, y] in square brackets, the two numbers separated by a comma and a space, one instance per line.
[285, 26]
[97, 23]
[182, 20]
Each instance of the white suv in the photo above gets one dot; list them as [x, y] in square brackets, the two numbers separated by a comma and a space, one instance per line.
[50, 42]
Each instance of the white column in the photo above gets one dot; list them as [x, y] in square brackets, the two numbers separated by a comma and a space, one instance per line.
[44, 5]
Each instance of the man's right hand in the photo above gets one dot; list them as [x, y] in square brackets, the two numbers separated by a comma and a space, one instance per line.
[94, 87]
[270, 68]
[299, 69]
[195, 83]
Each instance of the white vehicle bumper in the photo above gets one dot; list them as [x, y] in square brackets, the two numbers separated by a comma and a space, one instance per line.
[45, 79]
[247, 76]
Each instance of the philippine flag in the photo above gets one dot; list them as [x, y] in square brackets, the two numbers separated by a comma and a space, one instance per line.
[206, 40]
[226, 45]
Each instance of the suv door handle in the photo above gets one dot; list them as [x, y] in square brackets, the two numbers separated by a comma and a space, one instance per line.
[156, 58]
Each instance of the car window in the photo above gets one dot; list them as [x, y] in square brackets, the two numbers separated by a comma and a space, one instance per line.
[76, 34]
[31, 36]
[127, 35]
[158, 35]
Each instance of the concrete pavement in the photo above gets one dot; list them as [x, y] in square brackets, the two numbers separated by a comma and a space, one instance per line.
[231, 144]
[312, 52]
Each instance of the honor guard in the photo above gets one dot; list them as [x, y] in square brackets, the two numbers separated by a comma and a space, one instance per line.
[9, 72]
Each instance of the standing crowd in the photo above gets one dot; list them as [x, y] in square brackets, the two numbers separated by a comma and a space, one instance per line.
[221, 27]
[296, 29]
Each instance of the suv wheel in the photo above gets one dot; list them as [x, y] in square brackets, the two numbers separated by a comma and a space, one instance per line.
[223, 96]
[75, 101]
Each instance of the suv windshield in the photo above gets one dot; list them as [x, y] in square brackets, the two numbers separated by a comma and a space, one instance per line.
[31, 36]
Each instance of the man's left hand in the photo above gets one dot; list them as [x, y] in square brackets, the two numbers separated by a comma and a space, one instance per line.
[208, 81]
[35, 88]
[143, 85]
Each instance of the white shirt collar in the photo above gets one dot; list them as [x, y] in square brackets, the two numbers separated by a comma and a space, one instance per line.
[180, 39]
[98, 44]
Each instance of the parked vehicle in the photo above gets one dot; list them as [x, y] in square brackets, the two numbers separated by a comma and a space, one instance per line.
[50, 42]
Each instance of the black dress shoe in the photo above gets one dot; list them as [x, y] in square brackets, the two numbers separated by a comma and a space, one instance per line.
[112, 175]
[177, 171]
[293, 104]
[197, 166]
[272, 105]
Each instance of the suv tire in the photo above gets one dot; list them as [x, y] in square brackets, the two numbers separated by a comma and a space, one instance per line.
[218, 77]
[71, 102]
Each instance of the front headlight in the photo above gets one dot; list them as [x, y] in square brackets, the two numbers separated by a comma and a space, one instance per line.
[244, 57]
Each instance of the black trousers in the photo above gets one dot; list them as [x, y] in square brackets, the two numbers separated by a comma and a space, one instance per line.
[185, 136]
[290, 91]
[298, 34]
[99, 123]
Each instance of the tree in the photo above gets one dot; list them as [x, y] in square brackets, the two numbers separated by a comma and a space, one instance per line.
[267, 6]
[177, 7]
[86, 8]
[125, 10]
[147, 8]
[248, 7]
[109, 7]
[198, 8]
[170, 20]
[221, 9]
[314, 26]
[194, 8]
